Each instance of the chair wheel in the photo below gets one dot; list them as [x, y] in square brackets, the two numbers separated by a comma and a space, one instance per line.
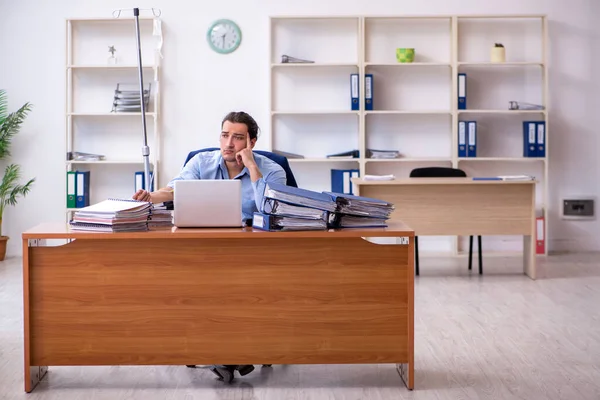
[225, 373]
[245, 369]
[267, 365]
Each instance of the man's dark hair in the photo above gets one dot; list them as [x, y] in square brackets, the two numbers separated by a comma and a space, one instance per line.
[241, 117]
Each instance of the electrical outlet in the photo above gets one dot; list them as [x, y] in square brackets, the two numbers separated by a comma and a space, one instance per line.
[578, 208]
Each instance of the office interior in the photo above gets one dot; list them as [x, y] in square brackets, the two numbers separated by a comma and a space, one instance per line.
[489, 333]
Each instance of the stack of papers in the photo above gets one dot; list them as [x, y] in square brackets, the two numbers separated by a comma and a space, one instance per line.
[505, 178]
[160, 218]
[386, 154]
[362, 206]
[113, 215]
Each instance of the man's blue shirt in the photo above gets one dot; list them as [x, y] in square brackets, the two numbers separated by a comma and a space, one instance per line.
[211, 165]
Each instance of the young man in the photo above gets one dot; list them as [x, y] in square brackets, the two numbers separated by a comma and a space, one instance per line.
[234, 160]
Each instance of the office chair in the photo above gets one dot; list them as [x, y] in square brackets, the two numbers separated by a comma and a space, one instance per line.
[279, 159]
[445, 172]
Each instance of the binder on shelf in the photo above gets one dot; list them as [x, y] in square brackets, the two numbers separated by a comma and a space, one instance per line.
[83, 189]
[341, 180]
[462, 138]
[472, 139]
[541, 139]
[345, 154]
[368, 91]
[540, 242]
[140, 180]
[462, 91]
[354, 91]
[529, 138]
[71, 189]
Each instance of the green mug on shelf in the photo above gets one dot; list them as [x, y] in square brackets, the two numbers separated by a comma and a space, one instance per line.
[405, 55]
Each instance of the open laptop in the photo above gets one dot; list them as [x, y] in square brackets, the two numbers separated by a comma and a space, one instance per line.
[207, 203]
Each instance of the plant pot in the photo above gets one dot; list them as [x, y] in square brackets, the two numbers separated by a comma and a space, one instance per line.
[498, 55]
[3, 242]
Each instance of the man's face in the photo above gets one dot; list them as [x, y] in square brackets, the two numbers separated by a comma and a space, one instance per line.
[234, 138]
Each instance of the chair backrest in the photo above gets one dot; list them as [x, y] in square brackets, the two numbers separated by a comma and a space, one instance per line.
[437, 172]
[279, 159]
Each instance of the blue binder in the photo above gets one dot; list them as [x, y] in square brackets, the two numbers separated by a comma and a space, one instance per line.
[140, 181]
[529, 138]
[472, 139]
[298, 196]
[341, 180]
[462, 91]
[462, 138]
[354, 91]
[267, 222]
[368, 91]
[541, 139]
[83, 189]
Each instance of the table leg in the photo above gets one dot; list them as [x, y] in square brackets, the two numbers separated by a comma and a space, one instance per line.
[35, 375]
[407, 372]
[529, 256]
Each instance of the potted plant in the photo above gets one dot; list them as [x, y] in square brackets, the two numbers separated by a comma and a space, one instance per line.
[10, 189]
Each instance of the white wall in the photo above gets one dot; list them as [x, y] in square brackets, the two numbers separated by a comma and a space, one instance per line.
[32, 69]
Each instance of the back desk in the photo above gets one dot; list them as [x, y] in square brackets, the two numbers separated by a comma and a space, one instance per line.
[462, 207]
[217, 296]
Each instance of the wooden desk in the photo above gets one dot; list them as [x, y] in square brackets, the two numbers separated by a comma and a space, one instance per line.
[217, 296]
[462, 207]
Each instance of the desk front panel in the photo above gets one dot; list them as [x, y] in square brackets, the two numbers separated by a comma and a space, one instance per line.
[460, 209]
[227, 301]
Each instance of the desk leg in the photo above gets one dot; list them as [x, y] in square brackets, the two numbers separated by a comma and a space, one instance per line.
[32, 374]
[36, 374]
[529, 256]
[407, 373]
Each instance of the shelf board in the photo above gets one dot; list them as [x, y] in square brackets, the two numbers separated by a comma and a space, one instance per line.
[501, 111]
[121, 114]
[312, 65]
[436, 112]
[499, 64]
[322, 160]
[314, 112]
[109, 67]
[511, 159]
[413, 64]
[409, 159]
[111, 162]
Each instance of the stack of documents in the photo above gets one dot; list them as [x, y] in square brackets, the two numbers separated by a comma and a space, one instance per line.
[385, 154]
[356, 211]
[113, 215]
[289, 208]
[160, 217]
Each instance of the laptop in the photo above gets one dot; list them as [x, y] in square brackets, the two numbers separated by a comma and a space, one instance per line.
[207, 203]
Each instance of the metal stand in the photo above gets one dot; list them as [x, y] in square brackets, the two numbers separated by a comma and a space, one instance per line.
[147, 184]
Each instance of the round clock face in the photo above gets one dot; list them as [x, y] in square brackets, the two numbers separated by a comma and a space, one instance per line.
[224, 36]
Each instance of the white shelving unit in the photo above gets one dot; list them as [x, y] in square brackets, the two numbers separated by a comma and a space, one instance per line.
[415, 104]
[91, 126]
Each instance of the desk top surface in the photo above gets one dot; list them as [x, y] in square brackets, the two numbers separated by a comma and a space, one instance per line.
[439, 181]
[63, 231]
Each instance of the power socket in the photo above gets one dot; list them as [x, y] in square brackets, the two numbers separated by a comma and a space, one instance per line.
[578, 208]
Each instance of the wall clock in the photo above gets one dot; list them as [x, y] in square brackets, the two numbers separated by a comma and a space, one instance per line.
[224, 36]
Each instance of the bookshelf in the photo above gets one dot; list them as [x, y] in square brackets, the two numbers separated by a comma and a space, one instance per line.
[415, 104]
[91, 80]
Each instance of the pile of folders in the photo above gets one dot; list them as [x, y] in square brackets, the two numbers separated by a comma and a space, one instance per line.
[287, 208]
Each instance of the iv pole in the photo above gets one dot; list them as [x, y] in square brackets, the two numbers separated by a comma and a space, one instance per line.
[147, 184]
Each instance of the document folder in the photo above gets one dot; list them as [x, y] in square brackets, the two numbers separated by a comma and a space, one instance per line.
[541, 139]
[71, 189]
[83, 189]
[462, 138]
[368, 91]
[269, 222]
[299, 196]
[472, 139]
[354, 91]
[529, 138]
[462, 91]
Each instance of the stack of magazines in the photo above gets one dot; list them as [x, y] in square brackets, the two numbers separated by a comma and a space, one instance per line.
[127, 98]
[160, 217]
[113, 215]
